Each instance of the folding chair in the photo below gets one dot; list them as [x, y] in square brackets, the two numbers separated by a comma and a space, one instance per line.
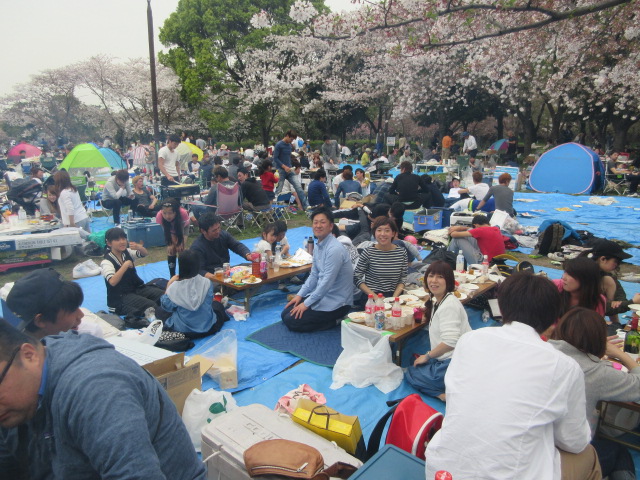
[259, 218]
[615, 184]
[82, 191]
[229, 206]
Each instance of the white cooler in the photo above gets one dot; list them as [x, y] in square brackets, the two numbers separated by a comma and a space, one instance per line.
[226, 438]
[461, 218]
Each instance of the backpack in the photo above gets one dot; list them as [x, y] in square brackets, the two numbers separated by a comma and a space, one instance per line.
[413, 425]
[550, 240]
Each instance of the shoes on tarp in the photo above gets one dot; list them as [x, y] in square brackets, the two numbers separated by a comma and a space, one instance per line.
[85, 269]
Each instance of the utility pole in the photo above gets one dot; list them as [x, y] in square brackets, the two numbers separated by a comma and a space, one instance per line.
[154, 91]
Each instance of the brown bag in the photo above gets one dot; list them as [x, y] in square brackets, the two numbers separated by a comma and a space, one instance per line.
[291, 459]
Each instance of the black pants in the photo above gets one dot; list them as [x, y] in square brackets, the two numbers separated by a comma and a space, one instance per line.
[314, 320]
[634, 180]
[145, 211]
[116, 205]
[615, 460]
[135, 303]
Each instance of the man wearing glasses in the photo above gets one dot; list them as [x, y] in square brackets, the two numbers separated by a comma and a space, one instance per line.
[72, 407]
[213, 245]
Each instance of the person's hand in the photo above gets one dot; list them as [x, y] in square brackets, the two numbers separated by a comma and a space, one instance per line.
[636, 298]
[170, 178]
[616, 341]
[136, 245]
[128, 264]
[294, 301]
[248, 256]
[616, 304]
[613, 351]
[421, 360]
[298, 310]
[286, 169]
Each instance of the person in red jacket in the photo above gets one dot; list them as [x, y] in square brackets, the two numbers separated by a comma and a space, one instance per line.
[268, 179]
[475, 242]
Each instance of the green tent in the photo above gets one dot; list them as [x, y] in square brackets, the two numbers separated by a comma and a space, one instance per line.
[87, 158]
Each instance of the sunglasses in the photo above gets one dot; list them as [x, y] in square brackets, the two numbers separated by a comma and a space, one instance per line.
[8, 366]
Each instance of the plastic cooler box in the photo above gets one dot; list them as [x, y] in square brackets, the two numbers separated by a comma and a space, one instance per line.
[226, 438]
[391, 462]
[151, 234]
[431, 220]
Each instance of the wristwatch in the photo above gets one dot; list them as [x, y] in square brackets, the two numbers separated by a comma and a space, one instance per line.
[428, 355]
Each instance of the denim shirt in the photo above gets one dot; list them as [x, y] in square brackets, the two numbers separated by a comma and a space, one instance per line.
[329, 285]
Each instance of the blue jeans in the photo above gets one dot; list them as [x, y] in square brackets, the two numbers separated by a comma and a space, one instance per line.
[293, 180]
[469, 247]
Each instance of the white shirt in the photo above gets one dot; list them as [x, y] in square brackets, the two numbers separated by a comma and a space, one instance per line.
[170, 160]
[337, 180]
[345, 150]
[70, 204]
[448, 323]
[470, 144]
[511, 400]
[453, 192]
[479, 190]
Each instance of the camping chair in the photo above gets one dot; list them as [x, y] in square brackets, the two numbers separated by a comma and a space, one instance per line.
[615, 184]
[229, 206]
[259, 218]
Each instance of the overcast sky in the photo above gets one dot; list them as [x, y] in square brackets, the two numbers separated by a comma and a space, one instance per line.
[38, 35]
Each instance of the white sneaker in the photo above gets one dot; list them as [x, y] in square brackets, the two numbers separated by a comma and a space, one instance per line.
[557, 256]
[85, 269]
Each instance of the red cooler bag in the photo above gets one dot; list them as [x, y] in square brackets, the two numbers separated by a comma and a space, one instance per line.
[413, 425]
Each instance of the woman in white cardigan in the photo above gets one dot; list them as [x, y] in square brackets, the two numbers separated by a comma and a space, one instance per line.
[72, 211]
[447, 323]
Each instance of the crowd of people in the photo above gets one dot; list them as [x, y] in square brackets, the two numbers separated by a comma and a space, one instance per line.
[521, 399]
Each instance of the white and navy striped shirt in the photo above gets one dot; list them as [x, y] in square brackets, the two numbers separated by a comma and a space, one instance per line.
[382, 271]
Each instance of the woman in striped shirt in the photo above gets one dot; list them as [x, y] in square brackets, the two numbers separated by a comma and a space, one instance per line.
[382, 267]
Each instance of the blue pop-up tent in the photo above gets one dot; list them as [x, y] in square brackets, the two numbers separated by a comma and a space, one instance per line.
[568, 168]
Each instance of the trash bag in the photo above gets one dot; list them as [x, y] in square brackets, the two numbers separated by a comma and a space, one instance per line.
[222, 349]
[365, 360]
[202, 407]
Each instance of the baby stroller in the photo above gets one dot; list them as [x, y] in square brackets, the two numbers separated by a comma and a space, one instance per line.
[25, 193]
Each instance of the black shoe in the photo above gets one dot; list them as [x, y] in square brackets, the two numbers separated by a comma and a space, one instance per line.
[132, 322]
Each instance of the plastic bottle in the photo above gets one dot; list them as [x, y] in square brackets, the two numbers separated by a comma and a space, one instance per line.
[310, 245]
[22, 216]
[379, 303]
[277, 260]
[485, 265]
[255, 262]
[263, 265]
[369, 311]
[460, 262]
[396, 315]
[38, 216]
[379, 319]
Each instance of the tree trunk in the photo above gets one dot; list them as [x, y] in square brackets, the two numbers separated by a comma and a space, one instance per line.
[528, 127]
[620, 128]
[500, 127]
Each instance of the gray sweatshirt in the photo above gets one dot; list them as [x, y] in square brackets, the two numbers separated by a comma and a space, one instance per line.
[602, 381]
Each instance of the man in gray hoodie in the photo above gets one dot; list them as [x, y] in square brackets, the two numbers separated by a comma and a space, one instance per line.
[73, 408]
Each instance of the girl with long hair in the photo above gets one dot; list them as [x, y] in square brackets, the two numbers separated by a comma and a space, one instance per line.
[448, 321]
[49, 203]
[582, 335]
[580, 286]
[175, 224]
[72, 211]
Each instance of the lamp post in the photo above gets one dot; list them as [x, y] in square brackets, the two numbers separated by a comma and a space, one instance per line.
[154, 91]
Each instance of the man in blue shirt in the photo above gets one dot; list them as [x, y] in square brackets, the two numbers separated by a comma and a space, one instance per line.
[282, 161]
[318, 194]
[327, 295]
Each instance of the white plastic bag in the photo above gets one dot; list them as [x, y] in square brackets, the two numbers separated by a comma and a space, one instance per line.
[365, 360]
[202, 407]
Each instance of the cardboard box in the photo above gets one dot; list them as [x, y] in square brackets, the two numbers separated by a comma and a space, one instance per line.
[176, 378]
[24, 256]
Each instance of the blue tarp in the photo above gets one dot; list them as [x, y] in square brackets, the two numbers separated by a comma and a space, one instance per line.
[568, 168]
